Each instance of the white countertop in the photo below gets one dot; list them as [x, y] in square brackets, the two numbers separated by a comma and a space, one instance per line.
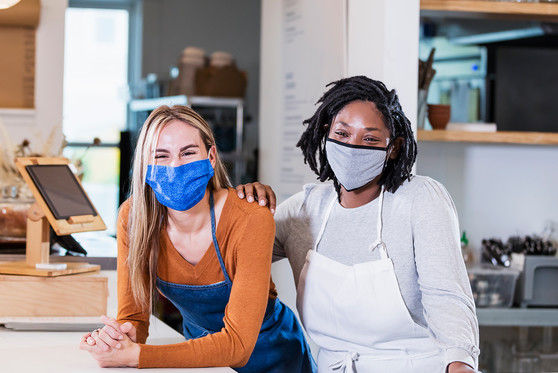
[58, 352]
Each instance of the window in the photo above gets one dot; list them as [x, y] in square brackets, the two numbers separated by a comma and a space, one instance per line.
[98, 67]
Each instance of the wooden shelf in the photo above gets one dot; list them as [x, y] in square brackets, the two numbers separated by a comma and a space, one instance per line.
[500, 137]
[460, 8]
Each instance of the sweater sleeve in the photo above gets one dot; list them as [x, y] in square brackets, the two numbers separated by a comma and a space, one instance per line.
[128, 310]
[233, 345]
[447, 299]
[283, 219]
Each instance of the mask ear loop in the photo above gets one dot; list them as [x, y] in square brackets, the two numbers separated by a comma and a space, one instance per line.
[209, 154]
[388, 153]
[389, 147]
[209, 151]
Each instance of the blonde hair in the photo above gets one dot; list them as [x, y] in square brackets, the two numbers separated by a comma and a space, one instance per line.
[147, 216]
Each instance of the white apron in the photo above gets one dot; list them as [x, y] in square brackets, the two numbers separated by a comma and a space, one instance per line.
[357, 316]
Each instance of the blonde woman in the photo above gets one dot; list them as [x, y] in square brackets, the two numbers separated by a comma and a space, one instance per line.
[184, 233]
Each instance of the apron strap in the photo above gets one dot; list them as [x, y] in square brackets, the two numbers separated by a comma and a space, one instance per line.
[213, 229]
[379, 225]
[345, 365]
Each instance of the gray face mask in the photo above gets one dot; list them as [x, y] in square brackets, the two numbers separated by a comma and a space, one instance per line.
[355, 165]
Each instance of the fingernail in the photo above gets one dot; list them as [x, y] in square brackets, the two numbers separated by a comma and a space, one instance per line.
[118, 345]
[241, 195]
[120, 337]
[250, 199]
[272, 211]
[262, 202]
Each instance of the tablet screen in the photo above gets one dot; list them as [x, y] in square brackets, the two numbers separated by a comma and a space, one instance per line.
[61, 191]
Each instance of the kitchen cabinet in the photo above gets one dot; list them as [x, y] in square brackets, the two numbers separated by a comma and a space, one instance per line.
[448, 10]
[518, 340]
[225, 116]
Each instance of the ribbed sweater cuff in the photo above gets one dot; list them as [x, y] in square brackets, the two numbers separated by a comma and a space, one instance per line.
[459, 354]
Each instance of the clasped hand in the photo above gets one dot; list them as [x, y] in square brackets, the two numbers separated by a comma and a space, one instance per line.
[114, 345]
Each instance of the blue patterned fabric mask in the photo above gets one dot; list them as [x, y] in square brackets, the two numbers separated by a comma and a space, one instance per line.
[180, 188]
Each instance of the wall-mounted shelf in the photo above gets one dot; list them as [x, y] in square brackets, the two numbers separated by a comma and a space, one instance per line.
[500, 137]
[477, 8]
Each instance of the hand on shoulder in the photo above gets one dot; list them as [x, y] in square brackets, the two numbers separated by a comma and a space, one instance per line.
[258, 192]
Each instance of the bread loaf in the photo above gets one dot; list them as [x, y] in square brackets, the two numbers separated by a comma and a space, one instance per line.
[13, 219]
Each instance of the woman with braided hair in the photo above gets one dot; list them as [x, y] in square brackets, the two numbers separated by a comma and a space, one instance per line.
[381, 283]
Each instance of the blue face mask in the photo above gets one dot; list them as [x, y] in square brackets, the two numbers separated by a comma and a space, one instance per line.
[180, 188]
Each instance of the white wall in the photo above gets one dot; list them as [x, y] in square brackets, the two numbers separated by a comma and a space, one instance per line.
[275, 63]
[383, 45]
[498, 190]
[38, 125]
[271, 98]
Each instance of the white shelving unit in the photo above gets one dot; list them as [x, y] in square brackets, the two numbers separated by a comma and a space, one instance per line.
[236, 156]
[518, 317]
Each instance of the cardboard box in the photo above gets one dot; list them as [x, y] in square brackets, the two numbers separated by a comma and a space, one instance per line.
[71, 295]
[226, 81]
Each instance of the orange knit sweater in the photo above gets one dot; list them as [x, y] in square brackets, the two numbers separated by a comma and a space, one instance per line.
[245, 234]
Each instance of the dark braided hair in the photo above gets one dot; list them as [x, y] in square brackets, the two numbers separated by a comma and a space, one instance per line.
[343, 92]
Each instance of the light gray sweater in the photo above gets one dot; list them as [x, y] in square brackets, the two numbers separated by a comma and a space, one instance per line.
[421, 233]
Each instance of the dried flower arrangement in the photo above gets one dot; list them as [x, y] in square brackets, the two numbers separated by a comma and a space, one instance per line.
[9, 175]
[15, 195]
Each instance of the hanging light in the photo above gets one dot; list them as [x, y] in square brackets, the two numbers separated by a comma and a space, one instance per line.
[4, 4]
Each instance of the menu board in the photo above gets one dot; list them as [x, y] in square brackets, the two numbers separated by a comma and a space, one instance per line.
[314, 42]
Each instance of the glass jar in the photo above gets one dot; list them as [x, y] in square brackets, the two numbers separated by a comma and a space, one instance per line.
[13, 213]
[13, 218]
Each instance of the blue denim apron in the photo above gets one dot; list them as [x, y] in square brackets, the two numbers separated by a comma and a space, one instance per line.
[280, 347]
